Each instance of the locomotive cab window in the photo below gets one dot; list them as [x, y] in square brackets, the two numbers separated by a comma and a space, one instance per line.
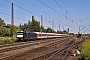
[19, 33]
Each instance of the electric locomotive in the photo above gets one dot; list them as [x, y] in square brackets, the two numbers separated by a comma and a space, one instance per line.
[25, 36]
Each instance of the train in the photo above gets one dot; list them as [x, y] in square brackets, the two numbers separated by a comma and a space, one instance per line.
[26, 36]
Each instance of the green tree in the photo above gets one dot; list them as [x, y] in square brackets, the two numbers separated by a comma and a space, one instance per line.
[21, 27]
[60, 32]
[8, 32]
[2, 23]
[4, 31]
[16, 29]
[29, 25]
[25, 27]
[35, 25]
[65, 32]
[49, 30]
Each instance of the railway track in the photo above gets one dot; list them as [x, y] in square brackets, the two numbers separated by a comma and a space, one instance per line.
[11, 47]
[14, 46]
[49, 55]
[7, 52]
[64, 53]
[16, 43]
[19, 43]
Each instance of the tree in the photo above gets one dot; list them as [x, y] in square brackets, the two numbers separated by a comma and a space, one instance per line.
[60, 32]
[37, 26]
[65, 32]
[16, 29]
[2, 23]
[49, 30]
[4, 31]
[25, 27]
[21, 27]
[29, 25]
[34, 25]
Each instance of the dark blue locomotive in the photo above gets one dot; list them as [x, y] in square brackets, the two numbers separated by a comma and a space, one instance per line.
[25, 36]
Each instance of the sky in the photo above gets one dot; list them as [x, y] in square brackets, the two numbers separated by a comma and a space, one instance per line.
[70, 14]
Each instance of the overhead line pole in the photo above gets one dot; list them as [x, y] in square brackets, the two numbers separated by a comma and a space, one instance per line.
[52, 24]
[41, 26]
[59, 27]
[12, 21]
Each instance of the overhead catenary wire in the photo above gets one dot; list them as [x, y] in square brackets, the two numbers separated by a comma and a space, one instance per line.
[40, 10]
[10, 15]
[63, 12]
[4, 6]
[54, 10]
[67, 11]
[34, 13]
[10, 8]
[35, 6]
[23, 9]
[50, 7]
[59, 7]
[39, 15]
[64, 8]
[26, 10]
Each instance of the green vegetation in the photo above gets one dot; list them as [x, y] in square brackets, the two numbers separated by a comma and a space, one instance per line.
[2, 23]
[4, 40]
[4, 31]
[85, 51]
[62, 32]
[31, 26]
[34, 26]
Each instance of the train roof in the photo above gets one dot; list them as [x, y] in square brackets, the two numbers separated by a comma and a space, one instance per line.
[28, 32]
[42, 33]
[25, 32]
[49, 33]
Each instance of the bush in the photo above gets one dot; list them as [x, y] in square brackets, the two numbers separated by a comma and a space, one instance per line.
[7, 40]
[4, 31]
[85, 51]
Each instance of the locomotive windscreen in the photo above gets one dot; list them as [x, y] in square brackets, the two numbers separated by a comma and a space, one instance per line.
[20, 33]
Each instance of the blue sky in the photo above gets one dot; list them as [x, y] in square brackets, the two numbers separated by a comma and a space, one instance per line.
[78, 13]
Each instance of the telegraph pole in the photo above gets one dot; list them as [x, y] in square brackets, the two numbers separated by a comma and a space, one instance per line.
[12, 21]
